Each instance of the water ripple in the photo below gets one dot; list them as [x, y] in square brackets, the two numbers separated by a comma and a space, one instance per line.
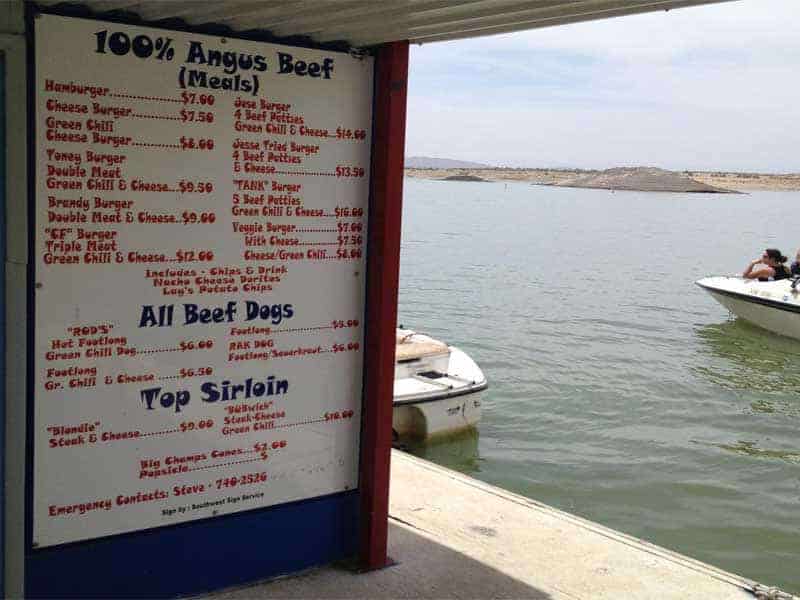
[618, 389]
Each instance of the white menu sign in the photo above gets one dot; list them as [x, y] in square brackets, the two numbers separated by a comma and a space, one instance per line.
[200, 227]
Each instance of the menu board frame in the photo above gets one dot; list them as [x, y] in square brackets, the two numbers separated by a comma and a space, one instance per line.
[334, 519]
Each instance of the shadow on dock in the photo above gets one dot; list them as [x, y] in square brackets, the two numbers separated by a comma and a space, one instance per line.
[455, 537]
[424, 569]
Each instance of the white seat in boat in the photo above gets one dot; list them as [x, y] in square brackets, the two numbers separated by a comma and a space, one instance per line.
[411, 345]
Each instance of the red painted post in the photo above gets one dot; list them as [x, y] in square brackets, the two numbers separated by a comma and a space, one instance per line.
[383, 269]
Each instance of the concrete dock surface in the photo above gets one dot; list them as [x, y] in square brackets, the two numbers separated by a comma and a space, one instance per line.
[455, 537]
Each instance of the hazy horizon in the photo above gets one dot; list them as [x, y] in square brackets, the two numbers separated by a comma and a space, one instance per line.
[490, 165]
[710, 88]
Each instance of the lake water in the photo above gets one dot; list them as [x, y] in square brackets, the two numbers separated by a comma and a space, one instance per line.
[619, 391]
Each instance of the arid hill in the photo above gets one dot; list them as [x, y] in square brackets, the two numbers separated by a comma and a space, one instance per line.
[642, 179]
[744, 182]
[464, 178]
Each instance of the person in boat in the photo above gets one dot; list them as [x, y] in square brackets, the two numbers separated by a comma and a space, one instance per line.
[795, 268]
[771, 267]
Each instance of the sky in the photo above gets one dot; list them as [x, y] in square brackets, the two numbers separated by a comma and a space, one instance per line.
[713, 87]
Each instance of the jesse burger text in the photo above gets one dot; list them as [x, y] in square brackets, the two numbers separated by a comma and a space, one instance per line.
[81, 508]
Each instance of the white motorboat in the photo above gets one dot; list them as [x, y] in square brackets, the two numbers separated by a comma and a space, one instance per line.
[772, 305]
[436, 388]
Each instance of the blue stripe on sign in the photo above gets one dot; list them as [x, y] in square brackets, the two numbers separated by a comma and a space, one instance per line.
[193, 558]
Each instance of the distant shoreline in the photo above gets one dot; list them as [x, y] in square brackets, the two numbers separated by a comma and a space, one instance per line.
[730, 180]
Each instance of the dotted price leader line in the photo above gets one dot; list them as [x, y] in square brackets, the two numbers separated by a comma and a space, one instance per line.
[157, 350]
[154, 98]
[300, 423]
[165, 432]
[228, 464]
[315, 173]
[147, 145]
[165, 118]
[303, 329]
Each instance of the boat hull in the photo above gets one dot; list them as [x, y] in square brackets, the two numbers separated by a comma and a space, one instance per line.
[437, 395]
[771, 305]
[439, 416]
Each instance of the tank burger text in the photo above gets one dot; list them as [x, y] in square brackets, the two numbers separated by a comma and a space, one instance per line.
[212, 68]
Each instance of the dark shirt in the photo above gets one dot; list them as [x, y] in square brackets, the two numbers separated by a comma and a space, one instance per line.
[781, 272]
[796, 268]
